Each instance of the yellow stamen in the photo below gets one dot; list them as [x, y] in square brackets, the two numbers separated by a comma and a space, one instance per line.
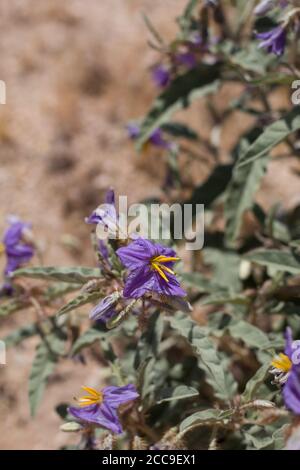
[158, 268]
[93, 398]
[165, 268]
[2, 248]
[165, 259]
[282, 362]
[157, 265]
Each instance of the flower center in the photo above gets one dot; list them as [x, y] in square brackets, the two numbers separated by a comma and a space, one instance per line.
[2, 248]
[92, 398]
[282, 362]
[157, 264]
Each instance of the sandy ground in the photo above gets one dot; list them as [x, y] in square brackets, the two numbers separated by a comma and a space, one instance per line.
[76, 72]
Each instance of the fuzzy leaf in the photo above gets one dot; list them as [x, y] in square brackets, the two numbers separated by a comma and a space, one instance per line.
[249, 334]
[11, 307]
[271, 136]
[182, 392]
[197, 281]
[240, 196]
[82, 299]
[42, 367]
[208, 357]
[281, 260]
[58, 290]
[226, 268]
[255, 382]
[206, 418]
[88, 338]
[72, 274]
[220, 298]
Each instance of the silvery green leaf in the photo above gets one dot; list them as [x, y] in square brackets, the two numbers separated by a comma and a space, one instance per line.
[255, 382]
[58, 290]
[224, 297]
[271, 136]
[12, 306]
[42, 367]
[208, 358]
[285, 261]
[240, 195]
[251, 58]
[249, 334]
[199, 282]
[226, 268]
[257, 442]
[208, 417]
[182, 392]
[76, 274]
[82, 299]
[88, 338]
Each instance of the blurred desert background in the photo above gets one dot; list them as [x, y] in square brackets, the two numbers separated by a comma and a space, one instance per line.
[76, 72]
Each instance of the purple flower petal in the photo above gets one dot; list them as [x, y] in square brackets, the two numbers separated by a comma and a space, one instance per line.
[102, 415]
[157, 139]
[137, 253]
[116, 396]
[110, 196]
[188, 59]
[161, 76]
[133, 131]
[17, 251]
[139, 282]
[274, 40]
[105, 214]
[288, 342]
[105, 414]
[291, 390]
[104, 309]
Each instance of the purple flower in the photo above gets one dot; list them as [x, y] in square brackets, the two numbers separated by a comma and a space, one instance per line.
[105, 308]
[188, 59]
[274, 40]
[105, 214]
[291, 389]
[133, 131]
[150, 269]
[161, 75]
[101, 407]
[17, 250]
[156, 138]
[286, 369]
